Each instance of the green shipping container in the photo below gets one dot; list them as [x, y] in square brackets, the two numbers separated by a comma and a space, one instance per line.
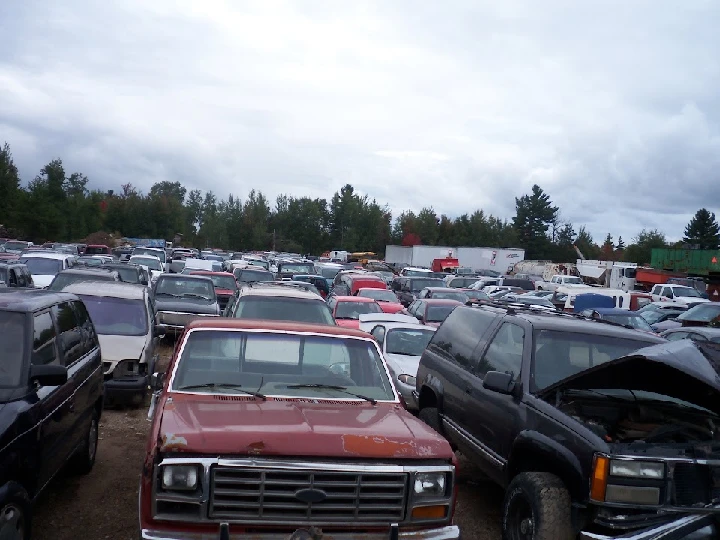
[694, 262]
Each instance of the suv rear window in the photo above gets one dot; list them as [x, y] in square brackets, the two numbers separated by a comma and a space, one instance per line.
[283, 309]
[12, 345]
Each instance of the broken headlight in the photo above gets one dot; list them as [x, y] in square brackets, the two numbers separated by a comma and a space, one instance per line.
[180, 477]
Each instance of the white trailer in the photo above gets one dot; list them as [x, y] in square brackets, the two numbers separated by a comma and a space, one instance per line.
[478, 258]
[398, 255]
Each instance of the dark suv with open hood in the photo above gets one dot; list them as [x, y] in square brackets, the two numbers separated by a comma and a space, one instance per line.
[592, 428]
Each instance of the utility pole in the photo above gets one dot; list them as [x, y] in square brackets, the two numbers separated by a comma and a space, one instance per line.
[273, 240]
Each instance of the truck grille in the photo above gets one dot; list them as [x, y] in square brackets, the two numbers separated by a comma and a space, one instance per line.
[175, 318]
[276, 495]
[696, 484]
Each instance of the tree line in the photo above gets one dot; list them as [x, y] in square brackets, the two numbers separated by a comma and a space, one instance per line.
[57, 206]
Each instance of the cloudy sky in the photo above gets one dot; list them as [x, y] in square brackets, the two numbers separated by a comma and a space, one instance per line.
[611, 106]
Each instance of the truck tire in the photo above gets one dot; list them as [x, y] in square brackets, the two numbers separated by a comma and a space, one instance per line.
[84, 459]
[431, 417]
[537, 507]
[15, 512]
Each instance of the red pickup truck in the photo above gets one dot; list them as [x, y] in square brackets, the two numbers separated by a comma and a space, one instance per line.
[266, 429]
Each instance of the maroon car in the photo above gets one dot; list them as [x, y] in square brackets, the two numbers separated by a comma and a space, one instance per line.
[265, 429]
[224, 284]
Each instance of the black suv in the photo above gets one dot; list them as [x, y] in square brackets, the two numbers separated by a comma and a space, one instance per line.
[590, 427]
[279, 301]
[51, 390]
[408, 288]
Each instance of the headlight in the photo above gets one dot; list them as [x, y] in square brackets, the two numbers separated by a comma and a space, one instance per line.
[430, 484]
[407, 379]
[180, 477]
[637, 469]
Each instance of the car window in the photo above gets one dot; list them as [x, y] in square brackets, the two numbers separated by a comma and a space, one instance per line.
[283, 309]
[43, 340]
[460, 334]
[697, 337]
[70, 340]
[12, 344]
[667, 292]
[86, 325]
[505, 351]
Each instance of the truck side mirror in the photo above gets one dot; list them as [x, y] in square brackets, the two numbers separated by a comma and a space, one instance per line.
[500, 382]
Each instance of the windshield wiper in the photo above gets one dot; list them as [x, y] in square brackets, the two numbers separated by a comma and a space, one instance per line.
[342, 389]
[169, 294]
[193, 295]
[224, 385]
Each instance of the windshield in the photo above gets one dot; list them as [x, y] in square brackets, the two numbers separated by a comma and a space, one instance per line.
[15, 246]
[686, 292]
[571, 280]
[40, 266]
[379, 295]
[117, 316]
[250, 276]
[407, 342]
[186, 287]
[438, 313]
[560, 354]
[223, 282]
[283, 309]
[702, 313]
[634, 321]
[12, 345]
[353, 310]
[276, 364]
[297, 268]
[90, 261]
[255, 262]
[417, 273]
[153, 263]
[630, 272]
[450, 295]
[128, 274]
[152, 252]
[420, 284]
[327, 272]
[63, 280]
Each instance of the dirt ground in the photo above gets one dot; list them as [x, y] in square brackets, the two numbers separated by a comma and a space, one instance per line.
[103, 505]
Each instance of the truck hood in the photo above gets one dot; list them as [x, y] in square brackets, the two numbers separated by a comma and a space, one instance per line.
[240, 425]
[185, 305]
[115, 348]
[683, 369]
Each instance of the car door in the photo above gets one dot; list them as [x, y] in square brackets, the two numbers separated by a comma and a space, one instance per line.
[492, 418]
[55, 417]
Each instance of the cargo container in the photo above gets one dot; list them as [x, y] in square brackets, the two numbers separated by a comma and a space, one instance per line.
[478, 258]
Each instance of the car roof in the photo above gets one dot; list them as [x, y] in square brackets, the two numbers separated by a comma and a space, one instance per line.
[615, 311]
[440, 302]
[278, 288]
[46, 255]
[704, 330]
[210, 273]
[225, 323]
[29, 301]
[87, 270]
[114, 289]
[363, 299]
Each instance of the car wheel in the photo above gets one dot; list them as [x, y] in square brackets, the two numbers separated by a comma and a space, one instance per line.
[15, 515]
[537, 507]
[84, 459]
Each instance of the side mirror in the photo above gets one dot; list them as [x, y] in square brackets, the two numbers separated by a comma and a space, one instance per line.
[157, 380]
[49, 375]
[500, 382]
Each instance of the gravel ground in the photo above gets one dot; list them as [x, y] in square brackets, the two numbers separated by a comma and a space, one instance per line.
[103, 505]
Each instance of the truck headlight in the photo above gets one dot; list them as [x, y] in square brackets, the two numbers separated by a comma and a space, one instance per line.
[430, 484]
[637, 469]
[407, 379]
[180, 477]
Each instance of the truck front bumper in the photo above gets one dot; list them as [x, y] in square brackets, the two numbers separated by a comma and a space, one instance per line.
[693, 527]
[450, 532]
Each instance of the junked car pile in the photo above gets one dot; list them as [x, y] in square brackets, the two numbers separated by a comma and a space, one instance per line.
[322, 399]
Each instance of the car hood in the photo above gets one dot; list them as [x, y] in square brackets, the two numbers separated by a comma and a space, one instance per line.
[391, 307]
[683, 369]
[42, 281]
[400, 363]
[114, 348]
[184, 305]
[224, 292]
[240, 425]
[348, 323]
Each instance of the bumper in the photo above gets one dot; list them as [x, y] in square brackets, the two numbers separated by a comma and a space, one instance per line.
[695, 527]
[450, 532]
[126, 389]
[172, 329]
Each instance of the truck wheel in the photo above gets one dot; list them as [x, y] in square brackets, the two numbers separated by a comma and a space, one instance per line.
[537, 507]
[15, 513]
[84, 459]
[431, 417]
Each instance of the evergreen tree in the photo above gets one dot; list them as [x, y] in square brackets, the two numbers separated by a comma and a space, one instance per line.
[534, 213]
[703, 230]
[620, 244]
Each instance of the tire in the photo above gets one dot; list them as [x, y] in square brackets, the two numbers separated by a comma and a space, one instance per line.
[431, 417]
[84, 459]
[15, 513]
[537, 507]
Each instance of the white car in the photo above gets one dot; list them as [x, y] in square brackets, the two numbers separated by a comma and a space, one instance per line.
[45, 266]
[677, 294]
[402, 341]
[152, 265]
[153, 252]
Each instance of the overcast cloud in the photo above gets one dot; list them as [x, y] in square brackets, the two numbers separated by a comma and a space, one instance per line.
[611, 106]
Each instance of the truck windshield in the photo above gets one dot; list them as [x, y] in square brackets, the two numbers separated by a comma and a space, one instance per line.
[12, 345]
[559, 355]
[186, 287]
[572, 281]
[284, 309]
[159, 253]
[281, 364]
[40, 266]
[438, 313]
[117, 316]
[686, 292]
[250, 276]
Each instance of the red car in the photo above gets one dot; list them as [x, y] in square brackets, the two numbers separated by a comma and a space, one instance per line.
[347, 309]
[387, 299]
[262, 429]
[432, 312]
[224, 284]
